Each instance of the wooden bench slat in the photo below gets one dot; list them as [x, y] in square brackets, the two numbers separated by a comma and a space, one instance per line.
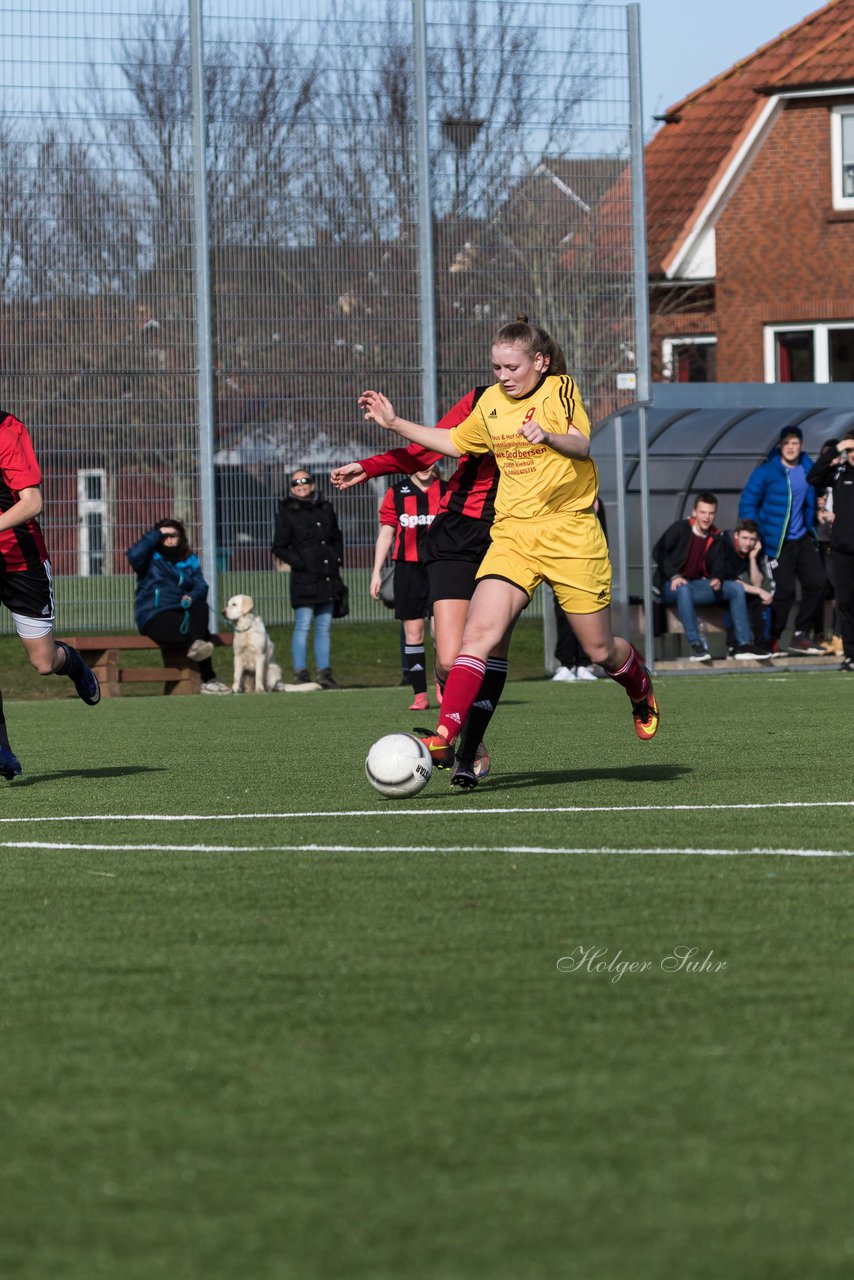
[104, 655]
[147, 675]
[220, 638]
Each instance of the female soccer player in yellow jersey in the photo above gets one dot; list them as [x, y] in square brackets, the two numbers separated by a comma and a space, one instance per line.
[545, 529]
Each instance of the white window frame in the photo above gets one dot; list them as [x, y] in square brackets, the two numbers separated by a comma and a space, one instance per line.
[668, 346]
[840, 201]
[85, 507]
[821, 346]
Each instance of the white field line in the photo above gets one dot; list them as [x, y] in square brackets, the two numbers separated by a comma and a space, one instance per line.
[391, 810]
[350, 848]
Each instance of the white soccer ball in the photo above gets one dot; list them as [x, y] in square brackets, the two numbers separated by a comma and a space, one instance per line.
[399, 765]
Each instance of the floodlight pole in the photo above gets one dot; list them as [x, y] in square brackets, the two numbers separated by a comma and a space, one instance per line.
[641, 292]
[426, 287]
[204, 346]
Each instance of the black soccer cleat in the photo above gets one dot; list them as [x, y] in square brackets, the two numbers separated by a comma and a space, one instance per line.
[463, 775]
[10, 765]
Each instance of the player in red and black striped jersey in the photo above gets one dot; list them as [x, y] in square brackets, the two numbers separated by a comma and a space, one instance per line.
[457, 541]
[25, 577]
[406, 513]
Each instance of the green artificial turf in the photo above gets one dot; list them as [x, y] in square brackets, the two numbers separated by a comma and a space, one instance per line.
[338, 1042]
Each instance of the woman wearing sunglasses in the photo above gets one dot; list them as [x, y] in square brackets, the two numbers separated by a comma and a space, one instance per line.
[308, 538]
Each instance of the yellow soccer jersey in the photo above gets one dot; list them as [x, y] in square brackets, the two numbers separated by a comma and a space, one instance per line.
[536, 482]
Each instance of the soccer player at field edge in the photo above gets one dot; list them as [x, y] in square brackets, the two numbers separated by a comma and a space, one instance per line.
[545, 529]
[25, 576]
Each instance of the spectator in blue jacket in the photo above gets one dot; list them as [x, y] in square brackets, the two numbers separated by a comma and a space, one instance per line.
[780, 499]
[171, 597]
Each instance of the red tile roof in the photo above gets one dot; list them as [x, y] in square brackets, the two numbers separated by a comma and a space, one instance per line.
[689, 154]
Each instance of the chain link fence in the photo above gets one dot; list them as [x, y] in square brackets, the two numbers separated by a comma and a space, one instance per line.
[316, 281]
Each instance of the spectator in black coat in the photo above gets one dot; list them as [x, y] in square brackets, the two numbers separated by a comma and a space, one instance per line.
[834, 470]
[308, 538]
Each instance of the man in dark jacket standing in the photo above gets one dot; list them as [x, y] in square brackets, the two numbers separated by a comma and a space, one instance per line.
[693, 567]
[780, 499]
[308, 538]
[834, 469]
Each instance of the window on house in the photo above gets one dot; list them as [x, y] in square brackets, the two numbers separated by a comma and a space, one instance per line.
[842, 156]
[91, 523]
[689, 359]
[810, 353]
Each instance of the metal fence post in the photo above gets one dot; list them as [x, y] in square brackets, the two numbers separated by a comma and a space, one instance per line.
[426, 287]
[204, 346]
[641, 292]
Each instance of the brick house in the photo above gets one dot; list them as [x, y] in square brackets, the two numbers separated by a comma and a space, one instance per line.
[750, 215]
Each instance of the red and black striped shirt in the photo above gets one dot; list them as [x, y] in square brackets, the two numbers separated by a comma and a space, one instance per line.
[470, 490]
[410, 511]
[22, 547]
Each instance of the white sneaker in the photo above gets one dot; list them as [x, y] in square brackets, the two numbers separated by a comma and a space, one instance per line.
[584, 673]
[215, 686]
[564, 674]
[199, 650]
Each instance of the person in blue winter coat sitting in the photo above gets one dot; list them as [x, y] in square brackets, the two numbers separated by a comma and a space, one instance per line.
[171, 597]
[781, 500]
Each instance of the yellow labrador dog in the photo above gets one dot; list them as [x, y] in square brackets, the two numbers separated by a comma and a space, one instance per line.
[254, 667]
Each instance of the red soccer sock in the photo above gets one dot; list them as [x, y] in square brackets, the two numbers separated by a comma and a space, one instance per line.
[461, 688]
[632, 675]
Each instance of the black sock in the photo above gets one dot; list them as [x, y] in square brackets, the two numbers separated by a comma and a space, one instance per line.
[484, 708]
[73, 665]
[416, 670]
[206, 670]
[4, 737]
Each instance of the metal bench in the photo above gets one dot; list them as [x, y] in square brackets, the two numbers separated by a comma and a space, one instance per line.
[106, 657]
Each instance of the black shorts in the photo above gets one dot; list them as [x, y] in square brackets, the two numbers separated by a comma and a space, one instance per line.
[455, 537]
[28, 592]
[456, 545]
[411, 591]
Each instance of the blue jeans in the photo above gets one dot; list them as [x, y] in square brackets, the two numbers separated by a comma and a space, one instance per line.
[699, 591]
[322, 615]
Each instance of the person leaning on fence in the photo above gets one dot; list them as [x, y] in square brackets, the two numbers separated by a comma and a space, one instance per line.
[406, 513]
[693, 567]
[171, 601]
[25, 576]
[779, 497]
[835, 470]
[307, 538]
[745, 551]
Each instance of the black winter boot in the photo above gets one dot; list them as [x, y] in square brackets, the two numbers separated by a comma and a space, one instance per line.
[326, 680]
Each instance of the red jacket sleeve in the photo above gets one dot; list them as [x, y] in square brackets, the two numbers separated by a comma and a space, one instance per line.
[413, 458]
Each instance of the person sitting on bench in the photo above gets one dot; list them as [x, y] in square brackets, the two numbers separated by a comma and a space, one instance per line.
[171, 597]
[693, 568]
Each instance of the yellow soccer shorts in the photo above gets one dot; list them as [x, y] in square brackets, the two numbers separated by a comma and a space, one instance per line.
[567, 551]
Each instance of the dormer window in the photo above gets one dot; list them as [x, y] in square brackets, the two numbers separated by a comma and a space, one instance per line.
[842, 156]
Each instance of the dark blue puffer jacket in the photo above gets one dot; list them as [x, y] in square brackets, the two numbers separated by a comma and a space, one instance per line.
[767, 499]
[161, 583]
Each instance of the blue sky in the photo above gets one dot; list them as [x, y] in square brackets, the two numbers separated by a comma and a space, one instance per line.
[684, 43]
